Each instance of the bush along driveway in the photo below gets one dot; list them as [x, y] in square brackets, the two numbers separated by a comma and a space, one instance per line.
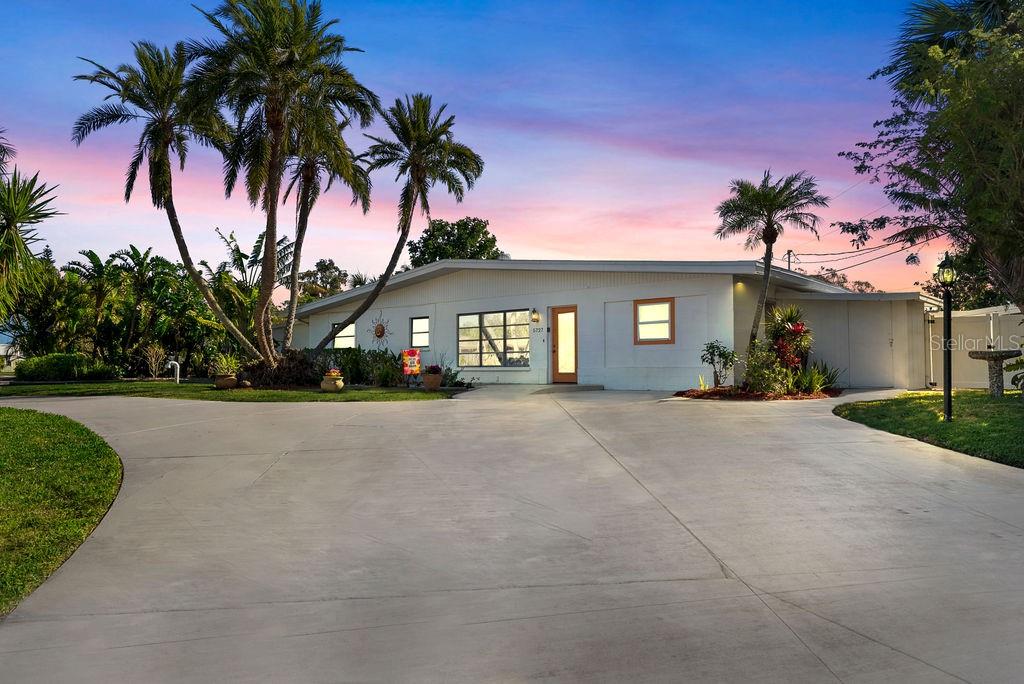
[57, 479]
[981, 426]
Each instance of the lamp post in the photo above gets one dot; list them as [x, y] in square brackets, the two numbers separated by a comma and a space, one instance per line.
[946, 275]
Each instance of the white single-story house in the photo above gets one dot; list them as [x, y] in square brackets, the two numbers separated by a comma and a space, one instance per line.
[620, 324]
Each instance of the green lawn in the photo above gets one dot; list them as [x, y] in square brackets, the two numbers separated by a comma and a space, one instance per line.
[982, 426]
[57, 479]
[193, 390]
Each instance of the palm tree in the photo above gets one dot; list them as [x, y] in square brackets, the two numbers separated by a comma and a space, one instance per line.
[236, 280]
[320, 152]
[423, 152]
[24, 202]
[101, 280]
[944, 24]
[152, 91]
[269, 56]
[143, 271]
[358, 279]
[6, 152]
[762, 212]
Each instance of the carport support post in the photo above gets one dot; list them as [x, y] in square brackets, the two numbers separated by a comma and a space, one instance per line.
[947, 354]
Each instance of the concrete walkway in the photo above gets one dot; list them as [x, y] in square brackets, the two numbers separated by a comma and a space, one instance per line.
[505, 536]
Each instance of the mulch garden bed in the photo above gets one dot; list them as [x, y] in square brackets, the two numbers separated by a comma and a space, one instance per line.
[737, 394]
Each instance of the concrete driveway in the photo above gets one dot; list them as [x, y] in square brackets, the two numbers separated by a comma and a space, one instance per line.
[505, 536]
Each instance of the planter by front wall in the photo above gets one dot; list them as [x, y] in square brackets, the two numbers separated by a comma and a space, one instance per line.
[225, 382]
[331, 383]
[431, 383]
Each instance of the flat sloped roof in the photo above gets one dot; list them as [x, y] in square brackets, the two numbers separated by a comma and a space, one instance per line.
[798, 282]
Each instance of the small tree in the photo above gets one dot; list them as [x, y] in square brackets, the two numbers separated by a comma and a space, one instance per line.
[154, 356]
[720, 358]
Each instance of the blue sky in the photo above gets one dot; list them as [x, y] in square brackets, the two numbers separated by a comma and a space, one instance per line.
[608, 129]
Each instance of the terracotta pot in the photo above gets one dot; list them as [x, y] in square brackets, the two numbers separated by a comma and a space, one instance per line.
[432, 383]
[332, 383]
[225, 382]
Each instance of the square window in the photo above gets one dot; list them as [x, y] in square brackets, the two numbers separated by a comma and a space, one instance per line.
[654, 321]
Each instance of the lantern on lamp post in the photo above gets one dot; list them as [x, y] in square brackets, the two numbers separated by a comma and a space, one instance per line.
[946, 277]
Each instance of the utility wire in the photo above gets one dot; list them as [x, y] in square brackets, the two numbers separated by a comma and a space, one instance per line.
[868, 261]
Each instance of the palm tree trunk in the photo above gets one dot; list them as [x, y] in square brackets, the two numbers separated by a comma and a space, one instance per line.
[300, 235]
[403, 236]
[197, 278]
[268, 275]
[762, 300]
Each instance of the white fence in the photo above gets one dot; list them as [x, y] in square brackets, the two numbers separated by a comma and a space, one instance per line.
[993, 328]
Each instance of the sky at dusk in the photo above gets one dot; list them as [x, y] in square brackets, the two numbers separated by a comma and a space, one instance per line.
[609, 130]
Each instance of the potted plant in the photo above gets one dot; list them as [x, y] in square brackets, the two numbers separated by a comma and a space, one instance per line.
[332, 382]
[432, 378]
[224, 367]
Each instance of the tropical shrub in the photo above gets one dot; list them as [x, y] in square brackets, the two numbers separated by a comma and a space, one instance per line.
[75, 366]
[790, 336]
[385, 368]
[224, 364]
[294, 369]
[829, 375]
[720, 358]
[765, 373]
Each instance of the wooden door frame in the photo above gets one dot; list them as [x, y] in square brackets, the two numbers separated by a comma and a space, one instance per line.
[563, 378]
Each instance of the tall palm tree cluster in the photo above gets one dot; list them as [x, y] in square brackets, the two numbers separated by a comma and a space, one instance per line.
[270, 91]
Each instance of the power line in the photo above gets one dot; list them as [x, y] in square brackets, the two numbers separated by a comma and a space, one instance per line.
[845, 258]
[868, 261]
[863, 250]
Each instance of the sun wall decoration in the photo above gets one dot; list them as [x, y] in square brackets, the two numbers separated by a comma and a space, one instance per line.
[380, 328]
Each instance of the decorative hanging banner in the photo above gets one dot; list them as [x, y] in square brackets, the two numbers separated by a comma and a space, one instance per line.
[411, 361]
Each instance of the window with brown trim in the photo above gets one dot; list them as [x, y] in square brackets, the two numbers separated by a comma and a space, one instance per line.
[654, 321]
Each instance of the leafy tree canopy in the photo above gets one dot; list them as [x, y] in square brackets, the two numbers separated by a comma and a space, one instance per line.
[951, 156]
[467, 238]
[836, 277]
[323, 280]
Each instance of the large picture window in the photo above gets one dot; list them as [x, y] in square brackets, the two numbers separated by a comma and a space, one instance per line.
[498, 339]
[654, 321]
[346, 339]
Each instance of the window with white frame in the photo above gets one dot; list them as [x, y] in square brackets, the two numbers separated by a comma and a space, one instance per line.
[420, 335]
[496, 338]
[346, 339]
[654, 321]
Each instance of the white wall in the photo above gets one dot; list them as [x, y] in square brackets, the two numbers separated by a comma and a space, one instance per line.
[604, 304]
[876, 343]
[970, 333]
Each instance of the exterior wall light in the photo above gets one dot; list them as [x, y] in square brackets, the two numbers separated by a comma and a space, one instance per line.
[946, 277]
[534, 315]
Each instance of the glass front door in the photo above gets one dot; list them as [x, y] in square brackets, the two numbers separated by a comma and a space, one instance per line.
[564, 345]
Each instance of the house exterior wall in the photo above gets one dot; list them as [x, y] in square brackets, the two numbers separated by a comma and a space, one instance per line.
[876, 343]
[604, 300]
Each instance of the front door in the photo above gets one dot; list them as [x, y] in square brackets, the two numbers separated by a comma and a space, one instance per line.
[563, 344]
